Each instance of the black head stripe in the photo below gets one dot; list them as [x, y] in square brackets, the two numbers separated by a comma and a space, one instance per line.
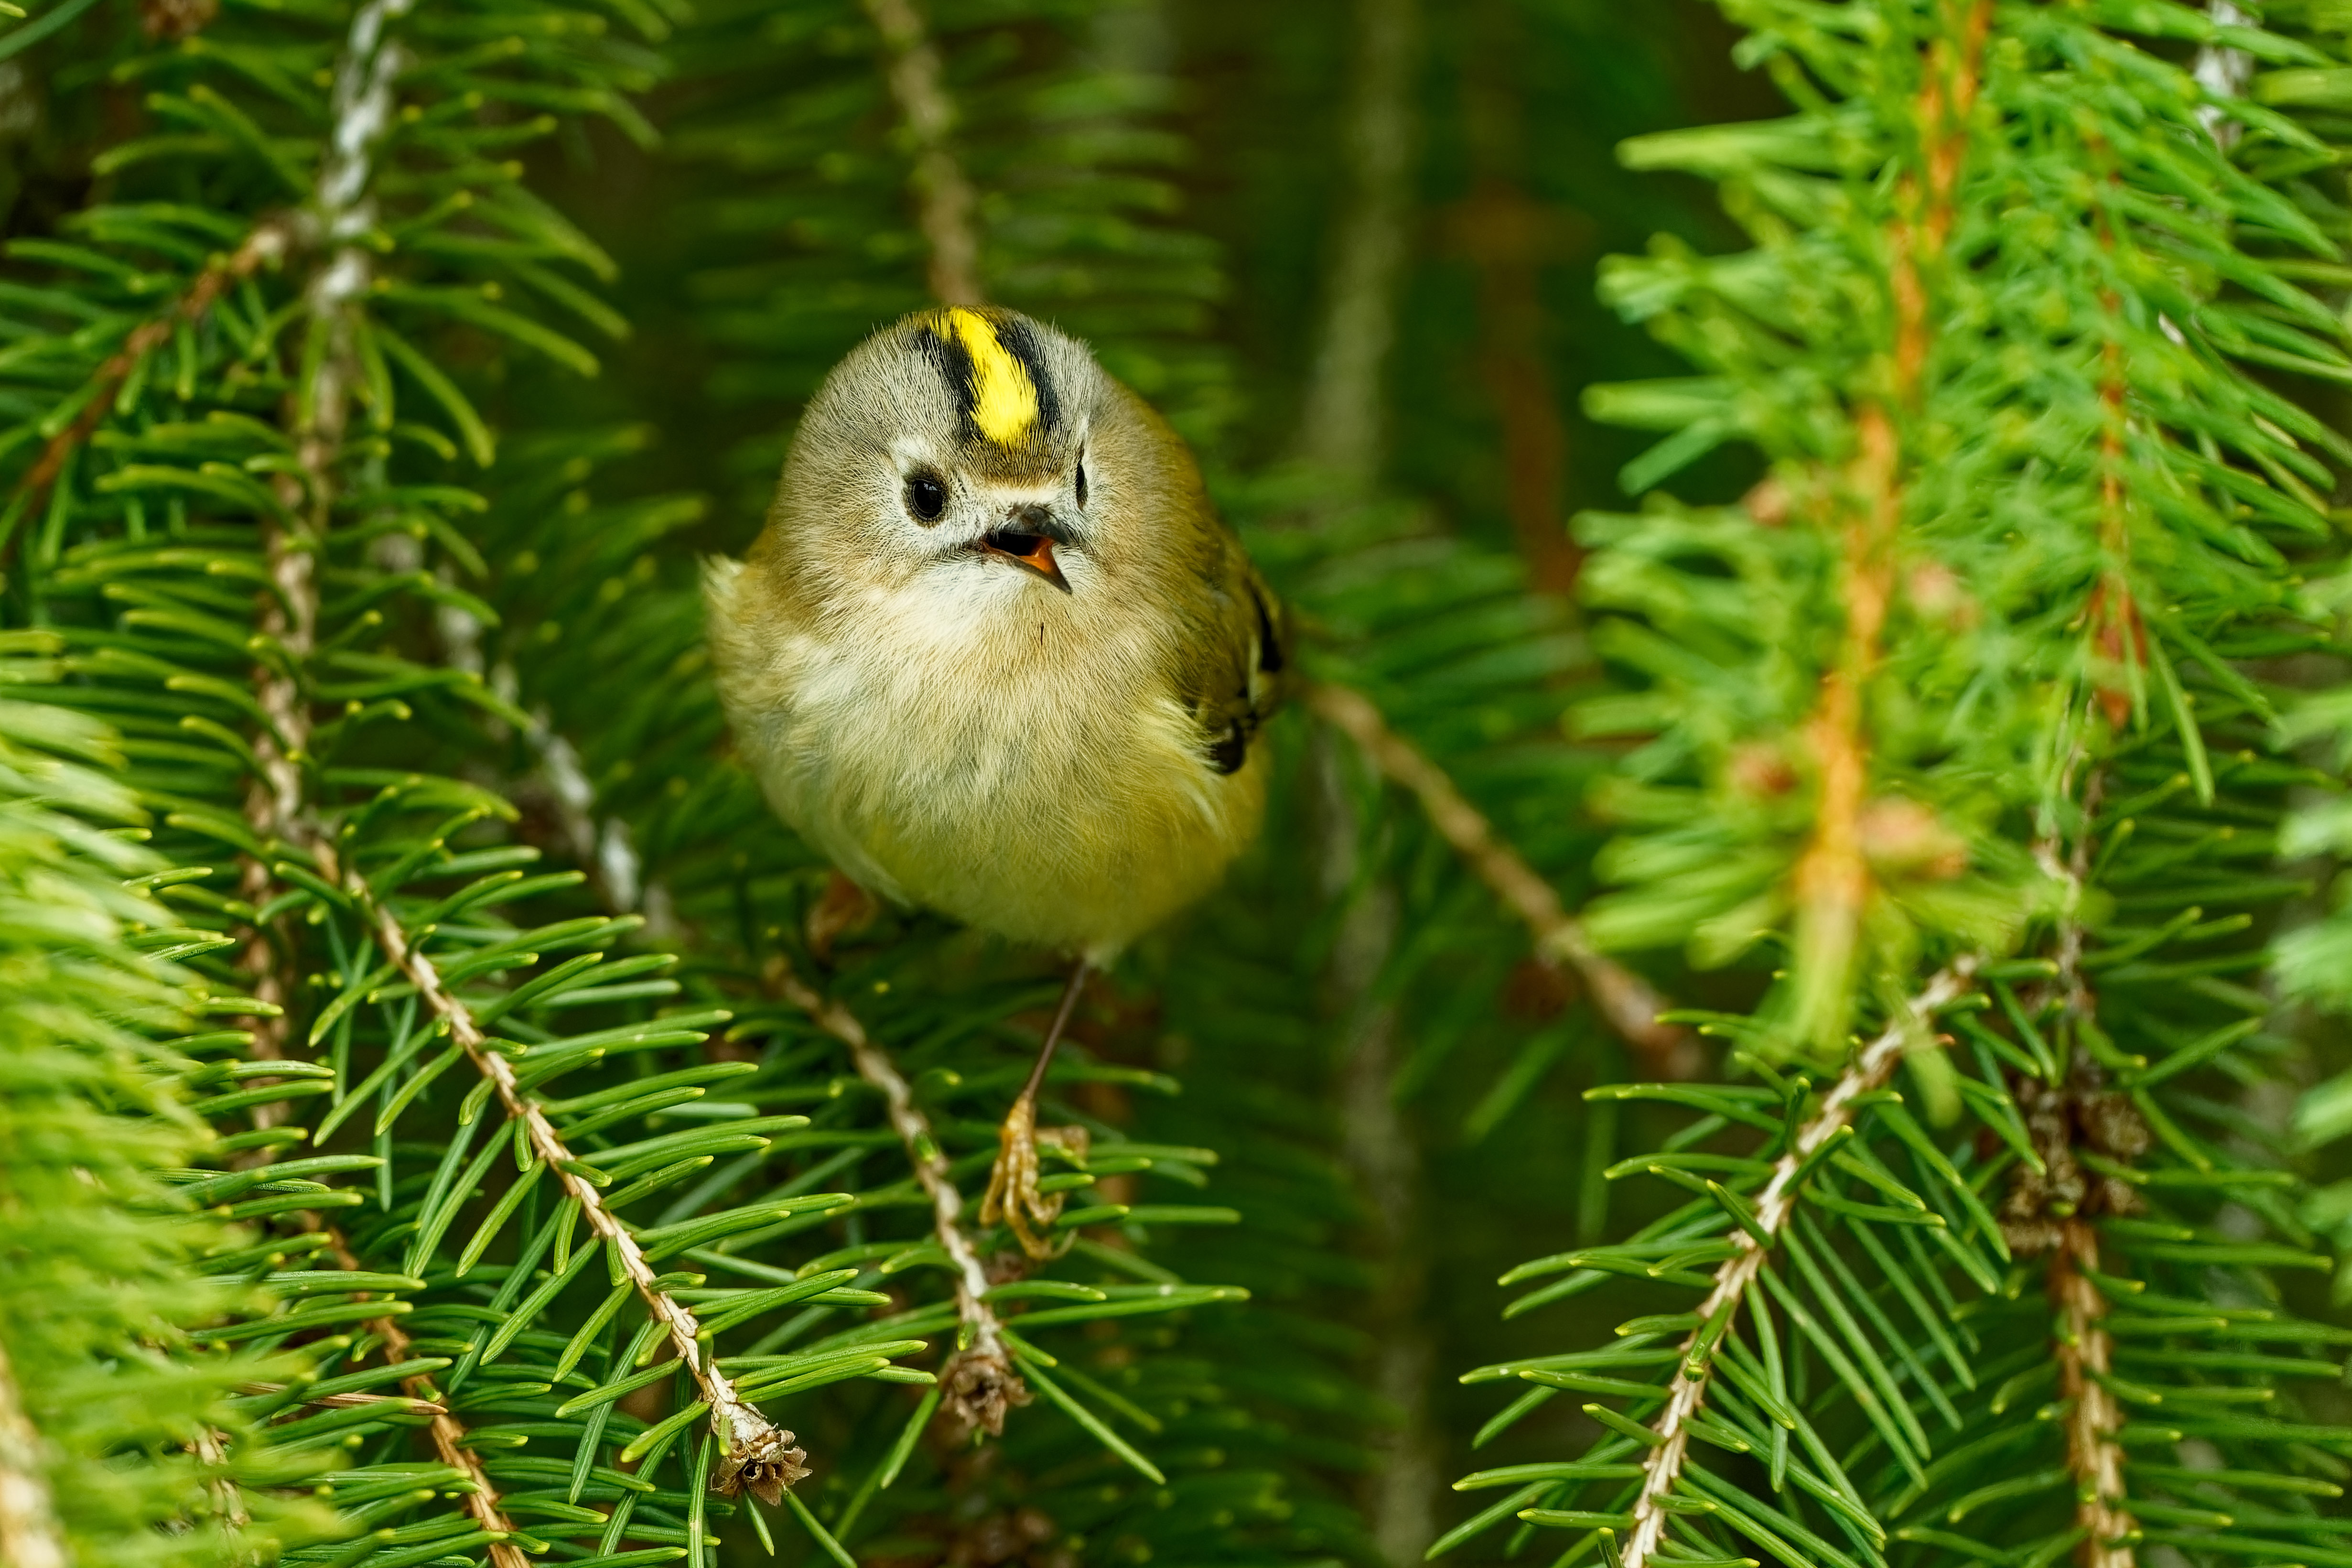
[954, 365]
[1020, 340]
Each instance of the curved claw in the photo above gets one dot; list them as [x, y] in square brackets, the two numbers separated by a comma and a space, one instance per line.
[1012, 1196]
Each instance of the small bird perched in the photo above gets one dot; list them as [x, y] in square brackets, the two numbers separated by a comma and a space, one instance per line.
[995, 655]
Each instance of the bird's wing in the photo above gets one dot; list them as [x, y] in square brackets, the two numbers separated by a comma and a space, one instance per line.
[1236, 661]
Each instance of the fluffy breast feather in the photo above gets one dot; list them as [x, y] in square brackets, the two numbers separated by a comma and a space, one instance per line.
[1033, 764]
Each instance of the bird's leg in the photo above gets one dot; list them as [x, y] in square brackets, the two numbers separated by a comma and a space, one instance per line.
[1013, 1194]
[845, 910]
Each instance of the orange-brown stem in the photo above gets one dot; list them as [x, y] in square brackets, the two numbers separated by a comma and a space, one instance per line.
[1831, 881]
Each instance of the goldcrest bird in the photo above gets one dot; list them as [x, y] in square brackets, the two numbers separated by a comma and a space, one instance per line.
[995, 655]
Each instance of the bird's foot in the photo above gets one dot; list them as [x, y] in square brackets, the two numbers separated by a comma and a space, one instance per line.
[1012, 1195]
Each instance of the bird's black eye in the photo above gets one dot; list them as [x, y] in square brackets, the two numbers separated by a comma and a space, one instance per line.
[1082, 482]
[926, 497]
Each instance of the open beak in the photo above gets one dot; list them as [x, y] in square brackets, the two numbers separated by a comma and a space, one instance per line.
[1030, 551]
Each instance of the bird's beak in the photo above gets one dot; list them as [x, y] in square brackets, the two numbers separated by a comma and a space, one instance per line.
[1029, 543]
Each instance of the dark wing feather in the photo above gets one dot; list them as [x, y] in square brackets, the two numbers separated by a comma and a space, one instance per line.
[1236, 674]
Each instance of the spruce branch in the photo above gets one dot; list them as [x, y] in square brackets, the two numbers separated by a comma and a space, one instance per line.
[1623, 998]
[2136, 462]
[979, 1383]
[944, 202]
[1687, 1395]
[29, 1536]
[2079, 1340]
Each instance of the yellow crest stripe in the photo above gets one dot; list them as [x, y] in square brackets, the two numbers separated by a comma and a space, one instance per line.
[1004, 400]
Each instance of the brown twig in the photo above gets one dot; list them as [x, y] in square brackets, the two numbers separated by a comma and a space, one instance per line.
[1624, 998]
[29, 1534]
[944, 202]
[979, 1383]
[2118, 638]
[449, 1442]
[2078, 1331]
[274, 795]
[1872, 1067]
[756, 1453]
[276, 803]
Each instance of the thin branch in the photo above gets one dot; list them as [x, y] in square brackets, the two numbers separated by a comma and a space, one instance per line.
[2092, 1416]
[29, 1534]
[1624, 998]
[2080, 1339]
[944, 202]
[449, 1442]
[1340, 425]
[757, 1454]
[1872, 1067]
[979, 1383]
